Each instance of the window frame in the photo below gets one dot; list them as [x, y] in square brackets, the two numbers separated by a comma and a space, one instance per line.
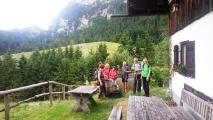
[186, 63]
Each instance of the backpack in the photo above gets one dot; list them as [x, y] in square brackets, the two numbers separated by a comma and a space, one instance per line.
[95, 75]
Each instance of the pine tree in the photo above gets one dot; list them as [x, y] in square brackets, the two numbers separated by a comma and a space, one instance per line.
[71, 52]
[90, 66]
[66, 52]
[76, 72]
[78, 53]
[101, 53]
[1, 74]
[35, 67]
[62, 71]
[23, 71]
[10, 75]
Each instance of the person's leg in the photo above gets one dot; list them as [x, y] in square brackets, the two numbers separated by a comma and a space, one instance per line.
[139, 83]
[134, 85]
[144, 84]
[148, 88]
[126, 85]
[103, 89]
[123, 81]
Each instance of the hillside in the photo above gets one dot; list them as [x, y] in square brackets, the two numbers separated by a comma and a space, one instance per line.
[85, 47]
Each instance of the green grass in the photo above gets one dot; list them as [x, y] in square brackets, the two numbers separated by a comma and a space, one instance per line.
[85, 47]
[61, 109]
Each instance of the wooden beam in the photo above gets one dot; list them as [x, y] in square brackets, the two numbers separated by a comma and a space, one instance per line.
[51, 94]
[7, 106]
[57, 83]
[63, 92]
[22, 88]
[32, 98]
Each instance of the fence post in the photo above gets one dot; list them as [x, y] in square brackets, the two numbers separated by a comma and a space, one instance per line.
[63, 92]
[69, 89]
[51, 94]
[7, 106]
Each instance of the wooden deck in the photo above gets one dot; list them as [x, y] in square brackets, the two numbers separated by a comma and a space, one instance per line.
[153, 108]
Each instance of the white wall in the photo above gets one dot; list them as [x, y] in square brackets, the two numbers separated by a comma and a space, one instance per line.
[200, 31]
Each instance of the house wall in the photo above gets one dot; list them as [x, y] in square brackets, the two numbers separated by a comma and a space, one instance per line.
[200, 31]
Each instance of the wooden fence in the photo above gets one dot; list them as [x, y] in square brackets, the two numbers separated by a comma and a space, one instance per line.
[7, 94]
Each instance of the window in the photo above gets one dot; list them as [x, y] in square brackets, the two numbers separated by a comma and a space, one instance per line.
[187, 58]
[176, 55]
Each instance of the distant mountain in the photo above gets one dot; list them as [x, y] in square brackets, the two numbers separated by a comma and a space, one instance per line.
[27, 39]
[78, 15]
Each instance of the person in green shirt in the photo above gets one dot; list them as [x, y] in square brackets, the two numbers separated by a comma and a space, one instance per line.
[146, 71]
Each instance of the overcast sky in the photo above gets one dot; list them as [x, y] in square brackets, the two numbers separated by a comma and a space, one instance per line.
[27, 13]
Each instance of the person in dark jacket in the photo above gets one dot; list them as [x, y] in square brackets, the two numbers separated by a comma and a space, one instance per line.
[124, 76]
[101, 81]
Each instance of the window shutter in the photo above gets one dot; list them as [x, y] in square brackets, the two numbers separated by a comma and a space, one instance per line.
[182, 45]
[176, 55]
[190, 59]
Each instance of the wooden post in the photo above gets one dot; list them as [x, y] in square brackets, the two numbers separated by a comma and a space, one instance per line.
[63, 92]
[44, 92]
[51, 94]
[7, 106]
[69, 88]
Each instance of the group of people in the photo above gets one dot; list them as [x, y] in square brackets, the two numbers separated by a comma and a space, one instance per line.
[104, 73]
[141, 70]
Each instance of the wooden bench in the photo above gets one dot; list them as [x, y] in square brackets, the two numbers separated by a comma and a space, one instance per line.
[180, 114]
[116, 113]
[148, 108]
[82, 95]
[202, 107]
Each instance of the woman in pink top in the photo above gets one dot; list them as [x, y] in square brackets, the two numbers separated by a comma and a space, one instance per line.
[106, 71]
[113, 75]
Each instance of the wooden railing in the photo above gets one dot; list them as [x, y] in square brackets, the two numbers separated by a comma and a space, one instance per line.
[204, 108]
[7, 94]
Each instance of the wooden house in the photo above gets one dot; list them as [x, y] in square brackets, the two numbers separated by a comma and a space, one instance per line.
[191, 40]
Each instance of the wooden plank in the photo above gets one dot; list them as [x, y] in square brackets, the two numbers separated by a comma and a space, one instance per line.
[131, 108]
[148, 108]
[116, 113]
[84, 90]
[33, 86]
[22, 88]
[57, 83]
[180, 113]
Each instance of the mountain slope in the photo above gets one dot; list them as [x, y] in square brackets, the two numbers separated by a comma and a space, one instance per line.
[85, 47]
